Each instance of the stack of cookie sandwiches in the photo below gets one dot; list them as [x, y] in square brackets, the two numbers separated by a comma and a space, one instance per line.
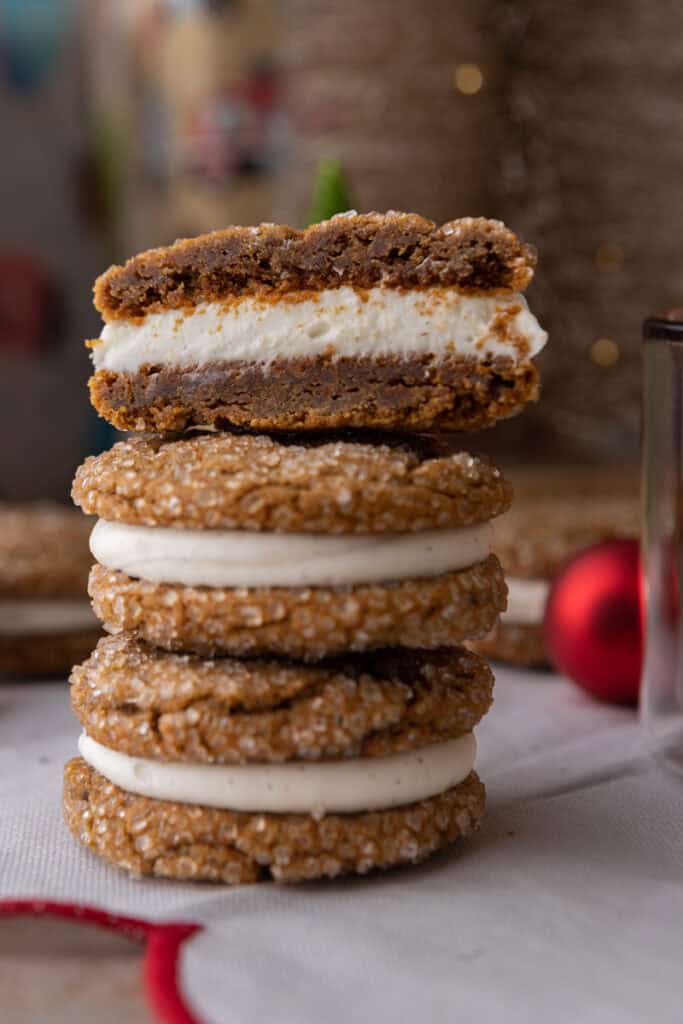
[289, 553]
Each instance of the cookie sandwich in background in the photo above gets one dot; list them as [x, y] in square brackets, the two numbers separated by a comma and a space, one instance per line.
[46, 621]
[556, 513]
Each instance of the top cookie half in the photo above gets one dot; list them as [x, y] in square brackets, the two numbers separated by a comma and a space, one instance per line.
[376, 320]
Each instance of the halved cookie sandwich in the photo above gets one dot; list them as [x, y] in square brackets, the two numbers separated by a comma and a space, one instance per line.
[373, 320]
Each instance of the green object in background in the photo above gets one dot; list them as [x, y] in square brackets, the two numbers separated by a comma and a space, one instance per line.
[330, 192]
[110, 142]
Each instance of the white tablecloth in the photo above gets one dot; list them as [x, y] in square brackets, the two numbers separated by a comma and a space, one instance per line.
[567, 908]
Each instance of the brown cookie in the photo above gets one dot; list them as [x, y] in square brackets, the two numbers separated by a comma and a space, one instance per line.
[43, 551]
[302, 622]
[456, 393]
[399, 250]
[148, 703]
[254, 482]
[185, 841]
[516, 645]
[372, 320]
[46, 654]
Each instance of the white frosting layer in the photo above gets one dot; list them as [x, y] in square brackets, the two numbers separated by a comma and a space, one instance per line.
[30, 617]
[335, 322]
[239, 558]
[301, 787]
[526, 601]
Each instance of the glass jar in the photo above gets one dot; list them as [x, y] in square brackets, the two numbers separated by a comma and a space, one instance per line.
[662, 691]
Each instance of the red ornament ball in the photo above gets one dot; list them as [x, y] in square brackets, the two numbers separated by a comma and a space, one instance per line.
[593, 622]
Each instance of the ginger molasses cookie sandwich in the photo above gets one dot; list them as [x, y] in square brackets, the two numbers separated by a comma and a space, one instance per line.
[46, 621]
[557, 512]
[220, 543]
[241, 770]
[366, 320]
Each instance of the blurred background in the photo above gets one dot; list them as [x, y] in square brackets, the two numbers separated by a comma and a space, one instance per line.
[128, 123]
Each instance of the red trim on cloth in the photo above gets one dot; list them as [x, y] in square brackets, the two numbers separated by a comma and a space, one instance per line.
[161, 972]
[162, 949]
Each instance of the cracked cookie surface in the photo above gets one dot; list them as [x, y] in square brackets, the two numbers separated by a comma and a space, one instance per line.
[148, 703]
[400, 250]
[255, 482]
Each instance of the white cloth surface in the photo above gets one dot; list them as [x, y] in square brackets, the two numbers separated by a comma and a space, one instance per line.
[567, 907]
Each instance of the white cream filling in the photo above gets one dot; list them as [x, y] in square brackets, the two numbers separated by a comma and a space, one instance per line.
[335, 322]
[239, 558]
[34, 616]
[301, 787]
[526, 601]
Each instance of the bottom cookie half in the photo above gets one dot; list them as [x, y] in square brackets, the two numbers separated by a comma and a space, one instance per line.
[185, 841]
[304, 622]
[387, 392]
